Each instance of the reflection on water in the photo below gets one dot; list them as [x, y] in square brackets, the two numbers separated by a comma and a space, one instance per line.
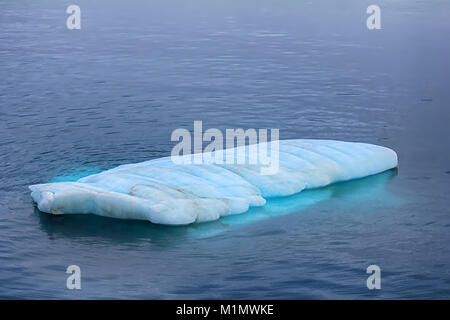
[127, 231]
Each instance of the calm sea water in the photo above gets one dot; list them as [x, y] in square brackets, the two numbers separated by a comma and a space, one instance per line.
[73, 102]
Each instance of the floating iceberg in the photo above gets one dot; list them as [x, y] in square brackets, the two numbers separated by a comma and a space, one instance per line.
[163, 192]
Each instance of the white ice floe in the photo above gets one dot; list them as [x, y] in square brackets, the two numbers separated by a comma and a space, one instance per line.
[163, 192]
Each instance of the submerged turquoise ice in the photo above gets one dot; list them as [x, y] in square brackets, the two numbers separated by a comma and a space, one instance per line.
[163, 192]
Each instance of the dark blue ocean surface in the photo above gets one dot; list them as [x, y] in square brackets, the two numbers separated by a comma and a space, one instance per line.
[74, 102]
